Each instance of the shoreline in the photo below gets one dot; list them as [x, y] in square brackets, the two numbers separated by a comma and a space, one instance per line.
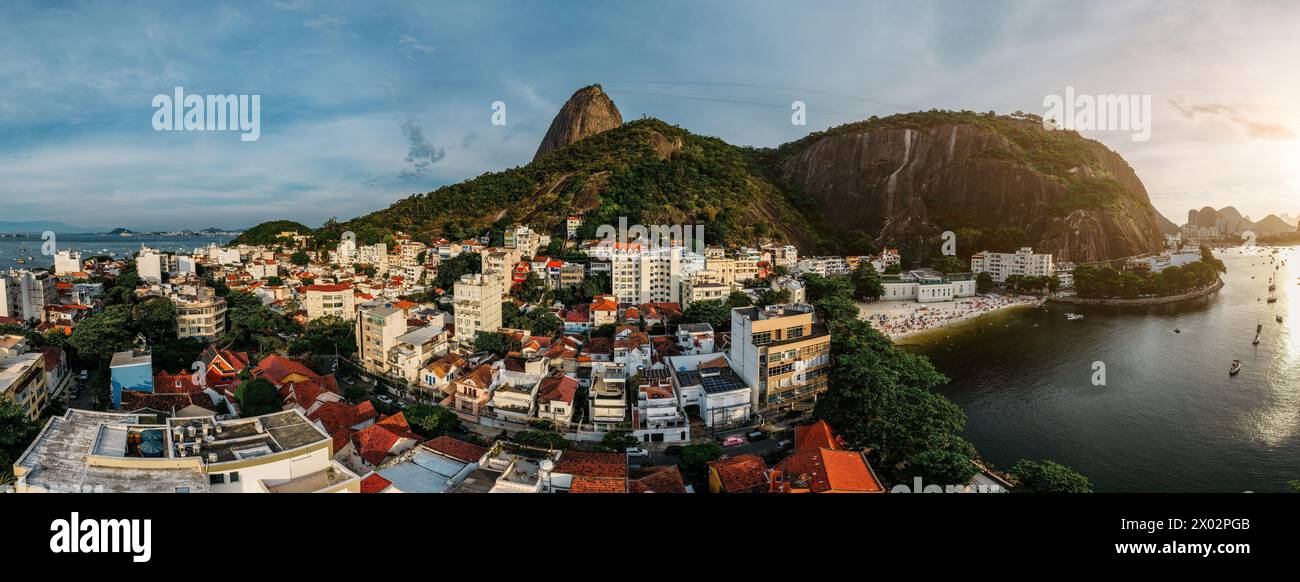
[1144, 301]
[922, 319]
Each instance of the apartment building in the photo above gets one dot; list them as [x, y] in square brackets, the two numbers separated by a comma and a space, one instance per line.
[783, 352]
[200, 314]
[67, 262]
[642, 274]
[22, 376]
[414, 350]
[86, 451]
[329, 301]
[1023, 262]
[25, 294]
[478, 305]
[378, 327]
[658, 415]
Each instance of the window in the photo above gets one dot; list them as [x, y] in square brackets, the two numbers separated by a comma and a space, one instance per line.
[234, 477]
[216, 479]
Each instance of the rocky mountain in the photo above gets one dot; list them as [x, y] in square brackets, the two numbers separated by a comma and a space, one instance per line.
[1272, 224]
[588, 112]
[993, 180]
[1166, 226]
[998, 182]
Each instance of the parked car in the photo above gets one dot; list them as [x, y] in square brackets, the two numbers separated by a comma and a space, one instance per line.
[385, 399]
[673, 450]
[732, 441]
[82, 376]
[782, 444]
[637, 452]
[755, 436]
[349, 381]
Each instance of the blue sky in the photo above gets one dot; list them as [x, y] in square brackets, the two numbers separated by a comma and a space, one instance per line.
[365, 103]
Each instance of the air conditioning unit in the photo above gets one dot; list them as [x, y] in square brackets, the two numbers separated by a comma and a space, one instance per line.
[212, 457]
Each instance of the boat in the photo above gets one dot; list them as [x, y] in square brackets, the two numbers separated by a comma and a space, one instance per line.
[1279, 319]
[1236, 367]
[1074, 316]
[1176, 330]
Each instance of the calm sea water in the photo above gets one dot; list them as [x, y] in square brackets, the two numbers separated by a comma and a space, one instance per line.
[1169, 418]
[94, 244]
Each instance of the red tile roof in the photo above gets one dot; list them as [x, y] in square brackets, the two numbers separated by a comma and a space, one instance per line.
[374, 442]
[593, 464]
[663, 479]
[339, 415]
[557, 387]
[814, 436]
[457, 449]
[741, 473]
[375, 483]
[827, 470]
[583, 484]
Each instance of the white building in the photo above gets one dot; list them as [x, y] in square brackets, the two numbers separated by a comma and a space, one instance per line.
[281, 452]
[329, 301]
[1023, 262]
[707, 384]
[477, 305]
[150, 265]
[643, 274]
[927, 286]
[24, 294]
[66, 262]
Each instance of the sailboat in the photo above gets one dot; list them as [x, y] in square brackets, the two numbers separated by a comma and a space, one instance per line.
[1259, 327]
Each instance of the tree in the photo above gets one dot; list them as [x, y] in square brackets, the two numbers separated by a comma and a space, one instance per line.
[712, 312]
[542, 439]
[431, 421]
[155, 317]
[983, 283]
[773, 297]
[103, 334]
[866, 283]
[16, 433]
[299, 258]
[738, 299]
[950, 264]
[695, 459]
[618, 440]
[1048, 477]
[257, 397]
[497, 343]
[941, 467]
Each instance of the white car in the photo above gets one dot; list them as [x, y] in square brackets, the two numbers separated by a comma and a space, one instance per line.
[637, 452]
[385, 400]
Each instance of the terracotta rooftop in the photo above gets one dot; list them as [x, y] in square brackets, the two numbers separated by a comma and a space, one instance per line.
[741, 473]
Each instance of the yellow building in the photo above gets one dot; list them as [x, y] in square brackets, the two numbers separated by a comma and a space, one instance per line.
[22, 376]
[783, 352]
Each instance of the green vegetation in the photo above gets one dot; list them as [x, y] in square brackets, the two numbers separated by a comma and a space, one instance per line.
[885, 400]
[866, 283]
[539, 321]
[542, 439]
[431, 421]
[615, 173]
[16, 433]
[257, 397]
[497, 343]
[265, 233]
[1106, 282]
[1047, 477]
[694, 461]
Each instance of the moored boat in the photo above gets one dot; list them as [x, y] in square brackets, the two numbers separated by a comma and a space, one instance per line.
[1236, 367]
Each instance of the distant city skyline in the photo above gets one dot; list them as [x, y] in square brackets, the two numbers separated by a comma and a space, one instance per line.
[364, 105]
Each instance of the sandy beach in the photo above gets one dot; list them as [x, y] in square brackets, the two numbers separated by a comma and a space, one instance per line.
[900, 319]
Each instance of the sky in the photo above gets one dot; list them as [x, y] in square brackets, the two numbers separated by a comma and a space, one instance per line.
[365, 103]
